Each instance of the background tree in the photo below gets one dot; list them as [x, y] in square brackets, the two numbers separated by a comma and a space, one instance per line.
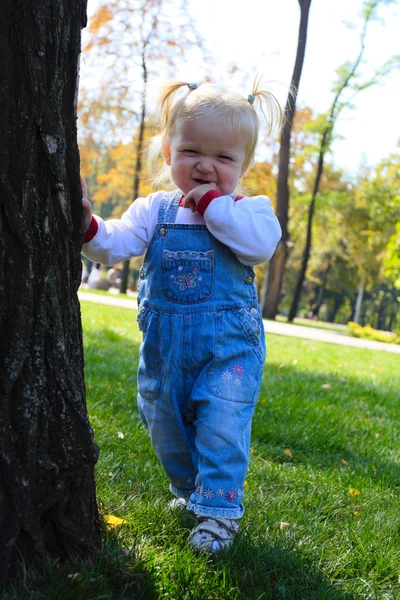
[347, 80]
[47, 452]
[277, 263]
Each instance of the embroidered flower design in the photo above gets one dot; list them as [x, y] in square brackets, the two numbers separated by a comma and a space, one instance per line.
[208, 493]
[185, 281]
[195, 268]
[238, 370]
[231, 496]
[220, 492]
[226, 376]
[237, 382]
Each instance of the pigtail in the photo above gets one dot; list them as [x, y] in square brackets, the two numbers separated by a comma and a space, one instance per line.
[268, 106]
[158, 170]
[166, 99]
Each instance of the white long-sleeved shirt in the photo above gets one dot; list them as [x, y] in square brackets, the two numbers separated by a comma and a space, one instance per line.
[248, 226]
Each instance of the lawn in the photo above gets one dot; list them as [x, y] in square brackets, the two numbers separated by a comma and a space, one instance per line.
[322, 493]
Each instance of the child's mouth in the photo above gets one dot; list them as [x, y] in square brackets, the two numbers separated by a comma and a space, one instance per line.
[202, 181]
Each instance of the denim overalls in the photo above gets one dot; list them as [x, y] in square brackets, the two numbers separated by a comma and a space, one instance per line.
[200, 363]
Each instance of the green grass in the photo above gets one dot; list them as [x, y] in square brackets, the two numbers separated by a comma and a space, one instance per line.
[324, 459]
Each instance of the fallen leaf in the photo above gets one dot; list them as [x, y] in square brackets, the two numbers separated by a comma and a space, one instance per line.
[288, 452]
[284, 525]
[343, 461]
[75, 576]
[113, 521]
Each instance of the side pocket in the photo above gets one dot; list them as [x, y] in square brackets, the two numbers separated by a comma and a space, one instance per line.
[149, 371]
[251, 321]
[236, 371]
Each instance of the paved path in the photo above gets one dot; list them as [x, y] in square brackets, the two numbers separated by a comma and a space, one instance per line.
[299, 331]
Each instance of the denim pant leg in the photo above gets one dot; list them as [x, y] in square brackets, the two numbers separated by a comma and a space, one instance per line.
[170, 438]
[224, 397]
[223, 442]
[164, 411]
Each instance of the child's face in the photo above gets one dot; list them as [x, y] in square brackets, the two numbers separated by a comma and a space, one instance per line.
[205, 151]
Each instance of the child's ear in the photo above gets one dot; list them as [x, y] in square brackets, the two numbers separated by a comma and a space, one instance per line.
[166, 150]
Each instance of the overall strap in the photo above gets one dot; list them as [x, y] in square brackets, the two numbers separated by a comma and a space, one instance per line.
[169, 207]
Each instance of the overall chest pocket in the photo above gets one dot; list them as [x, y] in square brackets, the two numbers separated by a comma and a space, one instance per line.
[188, 276]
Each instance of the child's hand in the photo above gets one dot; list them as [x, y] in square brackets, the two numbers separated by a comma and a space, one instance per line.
[87, 207]
[192, 198]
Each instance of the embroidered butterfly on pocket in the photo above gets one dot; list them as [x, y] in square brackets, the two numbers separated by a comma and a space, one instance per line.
[186, 281]
[188, 276]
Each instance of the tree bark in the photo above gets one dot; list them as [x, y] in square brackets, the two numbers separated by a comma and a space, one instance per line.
[47, 451]
[278, 261]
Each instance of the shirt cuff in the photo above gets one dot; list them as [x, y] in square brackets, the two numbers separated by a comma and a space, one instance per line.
[91, 232]
[205, 200]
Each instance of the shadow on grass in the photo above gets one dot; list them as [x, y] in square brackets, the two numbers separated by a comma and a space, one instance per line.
[351, 424]
[114, 573]
[275, 571]
[268, 570]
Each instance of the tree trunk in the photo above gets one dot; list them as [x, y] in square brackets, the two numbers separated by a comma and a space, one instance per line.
[307, 249]
[278, 261]
[357, 310]
[316, 307]
[47, 452]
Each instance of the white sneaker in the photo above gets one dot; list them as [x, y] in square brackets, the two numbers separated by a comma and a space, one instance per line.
[178, 504]
[213, 534]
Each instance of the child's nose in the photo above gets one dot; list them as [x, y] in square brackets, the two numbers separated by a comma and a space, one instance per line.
[205, 164]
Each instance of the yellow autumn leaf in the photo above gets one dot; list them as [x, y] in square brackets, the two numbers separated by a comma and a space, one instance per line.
[288, 452]
[354, 492]
[284, 525]
[113, 521]
[75, 576]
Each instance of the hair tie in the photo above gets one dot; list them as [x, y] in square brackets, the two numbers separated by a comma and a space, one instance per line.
[192, 86]
[250, 98]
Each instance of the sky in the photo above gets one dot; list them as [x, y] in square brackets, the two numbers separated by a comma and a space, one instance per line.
[260, 36]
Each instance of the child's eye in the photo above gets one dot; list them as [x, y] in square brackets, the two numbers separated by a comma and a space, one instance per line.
[224, 157]
[190, 151]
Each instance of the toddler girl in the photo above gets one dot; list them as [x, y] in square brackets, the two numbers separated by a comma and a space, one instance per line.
[203, 349]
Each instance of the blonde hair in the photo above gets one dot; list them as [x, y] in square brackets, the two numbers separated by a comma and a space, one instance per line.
[211, 99]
